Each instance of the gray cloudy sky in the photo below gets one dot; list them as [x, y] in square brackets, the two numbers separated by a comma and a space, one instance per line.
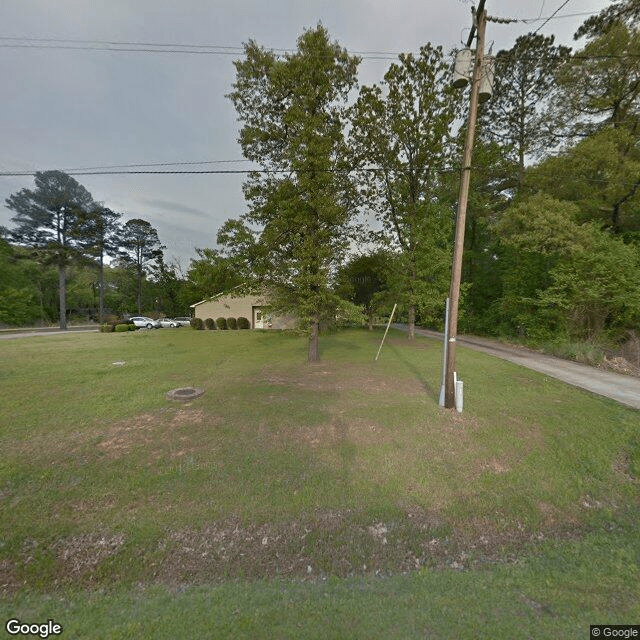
[70, 108]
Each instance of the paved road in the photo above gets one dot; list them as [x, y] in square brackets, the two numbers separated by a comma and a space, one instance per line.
[624, 389]
[10, 334]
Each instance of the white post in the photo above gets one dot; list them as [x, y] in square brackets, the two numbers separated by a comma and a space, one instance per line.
[387, 329]
[459, 395]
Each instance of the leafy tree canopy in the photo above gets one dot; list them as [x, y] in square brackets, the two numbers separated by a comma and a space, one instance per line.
[292, 112]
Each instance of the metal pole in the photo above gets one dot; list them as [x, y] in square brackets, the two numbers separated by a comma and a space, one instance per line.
[444, 352]
[456, 270]
[387, 329]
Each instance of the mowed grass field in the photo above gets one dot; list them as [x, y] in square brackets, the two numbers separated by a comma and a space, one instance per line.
[294, 501]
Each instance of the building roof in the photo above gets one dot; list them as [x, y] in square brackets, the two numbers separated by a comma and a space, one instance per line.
[221, 295]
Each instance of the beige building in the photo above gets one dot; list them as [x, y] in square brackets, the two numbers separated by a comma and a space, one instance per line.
[252, 307]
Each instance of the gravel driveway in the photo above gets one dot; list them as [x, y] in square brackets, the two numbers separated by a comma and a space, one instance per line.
[619, 387]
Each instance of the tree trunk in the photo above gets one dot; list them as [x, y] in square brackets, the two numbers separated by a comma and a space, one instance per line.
[101, 291]
[412, 322]
[370, 321]
[314, 351]
[62, 292]
[139, 291]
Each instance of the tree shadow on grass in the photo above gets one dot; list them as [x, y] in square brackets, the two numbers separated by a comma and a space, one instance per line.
[417, 373]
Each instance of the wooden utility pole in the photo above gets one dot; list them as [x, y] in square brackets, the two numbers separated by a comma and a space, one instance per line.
[480, 23]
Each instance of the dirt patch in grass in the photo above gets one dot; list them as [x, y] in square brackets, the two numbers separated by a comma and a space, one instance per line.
[158, 432]
[78, 556]
[338, 543]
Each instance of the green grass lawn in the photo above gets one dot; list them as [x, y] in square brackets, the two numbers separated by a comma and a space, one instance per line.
[295, 501]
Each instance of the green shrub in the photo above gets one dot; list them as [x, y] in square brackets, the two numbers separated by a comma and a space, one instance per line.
[210, 324]
[243, 323]
[107, 328]
[197, 323]
[132, 327]
[221, 323]
[121, 328]
[232, 323]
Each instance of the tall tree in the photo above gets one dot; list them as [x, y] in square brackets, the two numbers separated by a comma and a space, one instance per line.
[601, 83]
[519, 115]
[46, 219]
[600, 90]
[98, 232]
[400, 134]
[142, 248]
[293, 114]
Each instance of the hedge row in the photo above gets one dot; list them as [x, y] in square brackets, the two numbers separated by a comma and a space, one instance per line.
[120, 327]
[221, 323]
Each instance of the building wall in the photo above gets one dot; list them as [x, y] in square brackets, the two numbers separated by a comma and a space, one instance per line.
[242, 307]
[227, 307]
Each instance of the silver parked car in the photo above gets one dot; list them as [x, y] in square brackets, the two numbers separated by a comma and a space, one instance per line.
[183, 321]
[169, 322]
[143, 321]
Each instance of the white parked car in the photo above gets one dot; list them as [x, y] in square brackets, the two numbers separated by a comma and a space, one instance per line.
[143, 321]
[183, 321]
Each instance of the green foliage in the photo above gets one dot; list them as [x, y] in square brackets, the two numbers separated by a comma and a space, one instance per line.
[232, 323]
[211, 273]
[197, 323]
[243, 323]
[584, 352]
[292, 112]
[107, 328]
[221, 323]
[210, 324]
[121, 328]
[582, 276]
[600, 83]
[403, 128]
[601, 176]
[363, 282]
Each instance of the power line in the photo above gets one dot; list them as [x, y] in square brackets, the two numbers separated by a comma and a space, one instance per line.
[556, 17]
[154, 164]
[14, 42]
[453, 170]
[372, 56]
[566, 2]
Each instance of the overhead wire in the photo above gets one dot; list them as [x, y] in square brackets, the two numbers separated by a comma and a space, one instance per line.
[23, 42]
[564, 4]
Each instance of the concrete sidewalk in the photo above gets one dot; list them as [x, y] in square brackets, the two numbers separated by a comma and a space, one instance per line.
[619, 387]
